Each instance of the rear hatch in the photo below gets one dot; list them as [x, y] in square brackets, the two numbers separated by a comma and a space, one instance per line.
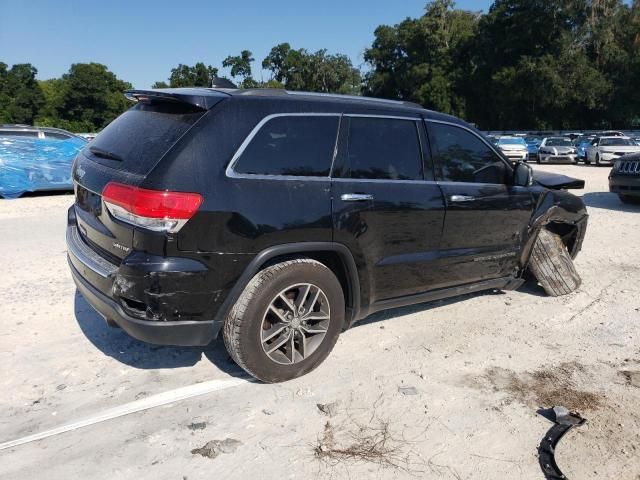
[125, 152]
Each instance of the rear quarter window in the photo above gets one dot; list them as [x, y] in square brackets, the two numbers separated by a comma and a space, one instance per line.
[291, 146]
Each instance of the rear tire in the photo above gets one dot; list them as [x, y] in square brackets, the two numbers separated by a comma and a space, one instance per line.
[553, 266]
[261, 309]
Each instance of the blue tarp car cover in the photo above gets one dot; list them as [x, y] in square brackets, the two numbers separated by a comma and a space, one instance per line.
[29, 164]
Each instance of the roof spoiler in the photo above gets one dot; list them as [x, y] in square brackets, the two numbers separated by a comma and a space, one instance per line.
[202, 98]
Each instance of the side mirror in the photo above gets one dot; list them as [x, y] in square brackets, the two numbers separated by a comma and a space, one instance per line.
[522, 175]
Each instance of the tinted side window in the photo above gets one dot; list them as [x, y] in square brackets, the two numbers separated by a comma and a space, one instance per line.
[291, 145]
[460, 156]
[382, 148]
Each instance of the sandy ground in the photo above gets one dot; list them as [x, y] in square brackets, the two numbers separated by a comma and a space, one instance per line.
[480, 366]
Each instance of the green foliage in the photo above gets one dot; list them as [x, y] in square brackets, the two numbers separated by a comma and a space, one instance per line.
[314, 72]
[91, 97]
[20, 95]
[199, 75]
[526, 64]
[241, 67]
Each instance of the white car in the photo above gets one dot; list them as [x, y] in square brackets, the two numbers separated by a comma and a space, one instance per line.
[557, 150]
[606, 150]
[515, 148]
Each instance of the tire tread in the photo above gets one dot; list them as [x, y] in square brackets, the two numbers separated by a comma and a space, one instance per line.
[553, 266]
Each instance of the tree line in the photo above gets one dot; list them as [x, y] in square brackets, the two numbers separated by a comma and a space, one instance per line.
[525, 64]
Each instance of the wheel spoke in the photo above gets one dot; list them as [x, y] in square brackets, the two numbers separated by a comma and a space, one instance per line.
[316, 316]
[275, 330]
[279, 344]
[313, 302]
[314, 329]
[292, 348]
[302, 297]
[288, 303]
[303, 344]
[278, 313]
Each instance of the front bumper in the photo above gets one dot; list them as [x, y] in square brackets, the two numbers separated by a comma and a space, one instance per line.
[568, 158]
[102, 283]
[517, 156]
[625, 185]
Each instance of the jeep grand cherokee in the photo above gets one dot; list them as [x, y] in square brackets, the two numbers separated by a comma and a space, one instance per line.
[282, 218]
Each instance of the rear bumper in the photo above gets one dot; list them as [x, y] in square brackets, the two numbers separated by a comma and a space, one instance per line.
[625, 185]
[185, 333]
[145, 295]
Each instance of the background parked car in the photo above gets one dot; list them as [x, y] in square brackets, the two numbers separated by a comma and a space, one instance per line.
[624, 178]
[557, 150]
[609, 149]
[581, 144]
[515, 148]
[533, 145]
[36, 159]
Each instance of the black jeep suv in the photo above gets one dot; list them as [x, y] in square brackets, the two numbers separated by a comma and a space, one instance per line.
[281, 218]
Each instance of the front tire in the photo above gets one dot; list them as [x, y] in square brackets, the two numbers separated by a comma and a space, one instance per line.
[553, 266]
[287, 320]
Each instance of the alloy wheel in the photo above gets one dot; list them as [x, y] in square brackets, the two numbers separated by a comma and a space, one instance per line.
[295, 323]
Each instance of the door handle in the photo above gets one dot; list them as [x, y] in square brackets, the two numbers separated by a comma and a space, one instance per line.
[462, 198]
[356, 197]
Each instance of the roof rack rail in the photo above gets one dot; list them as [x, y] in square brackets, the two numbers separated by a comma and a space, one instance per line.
[258, 92]
[356, 98]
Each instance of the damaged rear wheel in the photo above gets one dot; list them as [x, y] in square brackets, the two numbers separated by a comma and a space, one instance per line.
[553, 266]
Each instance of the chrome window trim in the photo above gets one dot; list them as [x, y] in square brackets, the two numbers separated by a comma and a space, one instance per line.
[231, 173]
[383, 180]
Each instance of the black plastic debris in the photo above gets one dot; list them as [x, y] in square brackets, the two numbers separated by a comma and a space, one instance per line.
[564, 421]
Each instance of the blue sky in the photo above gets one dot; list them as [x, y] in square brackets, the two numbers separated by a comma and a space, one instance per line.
[142, 40]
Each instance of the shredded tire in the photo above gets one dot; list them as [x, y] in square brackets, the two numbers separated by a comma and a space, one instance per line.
[553, 266]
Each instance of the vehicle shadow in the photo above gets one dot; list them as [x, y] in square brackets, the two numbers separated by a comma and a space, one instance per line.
[608, 201]
[530, 287]
[117, 344]
[47, 193]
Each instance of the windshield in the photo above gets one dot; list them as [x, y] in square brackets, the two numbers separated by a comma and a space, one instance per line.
[511, 141]
[533, 140]
[559, 142]
[616, 142]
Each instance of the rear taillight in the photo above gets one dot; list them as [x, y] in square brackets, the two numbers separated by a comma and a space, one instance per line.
[155, 210]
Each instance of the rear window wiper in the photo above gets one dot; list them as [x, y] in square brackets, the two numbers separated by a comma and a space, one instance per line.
[99, 152]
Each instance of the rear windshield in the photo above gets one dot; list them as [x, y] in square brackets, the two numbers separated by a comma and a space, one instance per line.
[137, 139]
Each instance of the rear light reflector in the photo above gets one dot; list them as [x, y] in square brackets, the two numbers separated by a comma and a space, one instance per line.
[157, 210]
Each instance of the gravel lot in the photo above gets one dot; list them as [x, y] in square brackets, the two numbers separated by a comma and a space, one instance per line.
[479, 367]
